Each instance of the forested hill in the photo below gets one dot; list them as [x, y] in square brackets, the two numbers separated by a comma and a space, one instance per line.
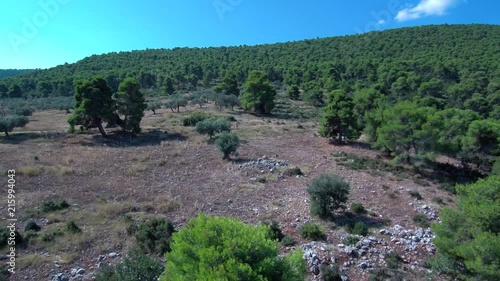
[12, 72]
[446, 61]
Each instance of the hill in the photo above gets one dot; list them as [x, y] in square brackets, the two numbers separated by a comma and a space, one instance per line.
[12, 72]
[455, 61]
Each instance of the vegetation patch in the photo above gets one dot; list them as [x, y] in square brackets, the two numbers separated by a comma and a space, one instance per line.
[312, 231]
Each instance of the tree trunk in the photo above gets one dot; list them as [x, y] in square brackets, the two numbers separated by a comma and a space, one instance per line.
[101, 129]
[154, 111]
[6, 133]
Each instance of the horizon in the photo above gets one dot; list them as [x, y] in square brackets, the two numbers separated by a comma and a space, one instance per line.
[47, 33]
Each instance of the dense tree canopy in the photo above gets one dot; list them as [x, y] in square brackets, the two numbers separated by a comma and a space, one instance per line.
[131, 104]
[258, 93]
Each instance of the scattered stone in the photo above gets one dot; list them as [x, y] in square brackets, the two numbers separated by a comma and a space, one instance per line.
[60, 277]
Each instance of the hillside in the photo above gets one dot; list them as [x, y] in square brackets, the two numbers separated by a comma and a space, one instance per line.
[4, 73]
[457, 61]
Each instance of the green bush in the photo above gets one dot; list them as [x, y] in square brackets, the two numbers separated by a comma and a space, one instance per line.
[216, 248]
[469, 235]
[4, 272]
[211, 127]
[358, 228]
[5, 234]
[72, 227]
[393, 260]
[328, 193]
[195, 117]
[288, 241]
[421, 220]
[415, 194]
[295, 171]
[351, 240]
[331, 273]
[227, 143]
[154, 235]
[358, 208]
[274, 230]
[32, 226]
[54, 205]
[135, 266]
[312, 231]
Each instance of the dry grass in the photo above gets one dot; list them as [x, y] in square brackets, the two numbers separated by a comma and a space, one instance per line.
[32, 261]
[32, 171]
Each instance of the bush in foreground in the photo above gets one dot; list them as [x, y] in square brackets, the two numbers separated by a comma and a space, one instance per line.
[215, 248]
[154, 235]
[136, 266]
[328, 193]
[227, 143]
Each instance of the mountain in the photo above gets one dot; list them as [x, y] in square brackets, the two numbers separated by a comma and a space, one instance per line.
[12, 72]
[451, 62]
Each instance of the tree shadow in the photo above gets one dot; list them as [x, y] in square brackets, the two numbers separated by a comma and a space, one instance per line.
[20, 137]
[128, 139]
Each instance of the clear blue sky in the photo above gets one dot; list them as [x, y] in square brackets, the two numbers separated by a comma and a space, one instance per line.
[45, 33]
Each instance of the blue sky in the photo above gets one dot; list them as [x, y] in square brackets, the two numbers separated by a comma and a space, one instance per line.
[46, 33]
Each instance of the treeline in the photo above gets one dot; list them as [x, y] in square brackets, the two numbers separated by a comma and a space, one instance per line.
[448, 62]
[12, 72]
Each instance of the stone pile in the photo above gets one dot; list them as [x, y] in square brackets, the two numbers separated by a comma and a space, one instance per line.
[264, 165]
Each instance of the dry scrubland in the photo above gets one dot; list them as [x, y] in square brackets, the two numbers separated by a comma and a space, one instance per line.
[173, 172]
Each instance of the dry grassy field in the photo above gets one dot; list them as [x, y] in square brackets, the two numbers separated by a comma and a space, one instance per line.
[173, 172]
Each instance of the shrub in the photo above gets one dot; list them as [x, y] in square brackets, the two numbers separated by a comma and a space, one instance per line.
[358, 208]
[4, 272]
[211, 127]
[154, 235]
[5, 234]
[295, 171]
[215, 248]
[227, 143]
[274, 230]
[23, 111]
[351, 240]
[135, 266]
[358, 228]
[331, 273]
[421, 220]
[72, 227]
[328, 193]
[393, 260]
[193, 118]
[288, 241]
[415, 194]
[32, 226]
[312, 231]
[54, 205]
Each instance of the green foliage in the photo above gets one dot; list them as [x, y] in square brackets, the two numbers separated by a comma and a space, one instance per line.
[293, 92]
[310, 230]
[358, 208]
[481, 144]
[169, 86]
[7, 124]
[358, 228]
[131, 104]
[4, 272]
[421, 220]
[328, 193]
[23, 111]
[314, 97]
[211, 127]
[135, 266]
[5, 234]
[154, 235]
[274, 230]
[227, 101]
[176, 102]
[93, 104]
[229, 86]
[258, 94]
[32, 226]
[351, 240]
[71, 227]
[468, 236]
[288, 241]
[215, 248]
[338, 119]
[54, 205]
[415, 194]
[195, 117]
[227, 143]
[331, 273]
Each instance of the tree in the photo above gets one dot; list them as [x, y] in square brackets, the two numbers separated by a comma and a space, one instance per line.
[169, 86]
[3, 91]
[479, 104]
[227, 101]
[338, 119]
[481, 143]
[328, 192]
[214, 248]
[131, 104]
[153, 106]
[402, 130]
[469, 235]
[15, 91]
[314, 97]
[211, 127]
[229, 86]
[293, 92]
[7, 124]
[175, 102]
[258, 94]
[44, 88]
[93, 104]
[227, 143]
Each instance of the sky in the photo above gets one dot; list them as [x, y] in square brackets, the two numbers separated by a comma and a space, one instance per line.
[47, 33]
